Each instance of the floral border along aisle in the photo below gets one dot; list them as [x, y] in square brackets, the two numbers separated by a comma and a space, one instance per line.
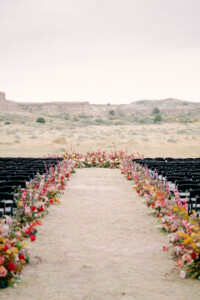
[17, 232]
[183, 229]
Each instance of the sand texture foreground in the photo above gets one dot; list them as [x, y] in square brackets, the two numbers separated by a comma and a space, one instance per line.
[101, 244]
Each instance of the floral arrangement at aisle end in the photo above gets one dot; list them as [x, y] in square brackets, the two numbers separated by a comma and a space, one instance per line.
[17, 232]
[98, 159]
[173, 218]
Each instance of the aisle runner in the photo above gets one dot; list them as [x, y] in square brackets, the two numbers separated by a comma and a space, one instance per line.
[100, 243]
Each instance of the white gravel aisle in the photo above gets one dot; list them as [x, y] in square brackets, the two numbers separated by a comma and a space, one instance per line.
[101, 244]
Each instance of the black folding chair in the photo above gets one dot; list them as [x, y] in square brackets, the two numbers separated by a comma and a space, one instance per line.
[7, 198]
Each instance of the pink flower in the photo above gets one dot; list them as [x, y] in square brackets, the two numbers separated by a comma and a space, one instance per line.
[3, 271]
[186, 257]
[1, 260]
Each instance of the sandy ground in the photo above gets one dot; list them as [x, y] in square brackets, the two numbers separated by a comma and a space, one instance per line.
[101, 244]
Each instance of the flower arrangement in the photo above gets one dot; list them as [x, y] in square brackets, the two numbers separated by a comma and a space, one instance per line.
[33, 203]
[17, 233]
[173, 218]
[98, 159]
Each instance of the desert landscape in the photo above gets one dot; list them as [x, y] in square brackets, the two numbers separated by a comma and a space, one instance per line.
[152, 128]
[113, 255]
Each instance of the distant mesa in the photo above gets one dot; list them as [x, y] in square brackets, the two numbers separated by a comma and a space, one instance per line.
[168, 105]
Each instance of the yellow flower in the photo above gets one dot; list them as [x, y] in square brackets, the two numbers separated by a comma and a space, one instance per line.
[25, 244]
[194, 246]
[19, 203]
[14, 250]
[57, 200]
[2, 240]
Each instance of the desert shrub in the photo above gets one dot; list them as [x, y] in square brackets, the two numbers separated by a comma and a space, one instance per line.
[7, 123]
[111, 112]
[181, 131]
[75, 119]
[158, 118]
[33, 137]
[67, 117]
[155, 111]
[41, 120]
[99, 120]
[171, 140]
[82, 116]
[141, 121]
[119, 123]
[195, 120]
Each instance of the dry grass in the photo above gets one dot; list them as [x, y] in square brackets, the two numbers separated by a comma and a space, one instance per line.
[25, 137]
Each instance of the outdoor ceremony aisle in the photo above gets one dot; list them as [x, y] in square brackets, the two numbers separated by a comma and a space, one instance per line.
[101, 244]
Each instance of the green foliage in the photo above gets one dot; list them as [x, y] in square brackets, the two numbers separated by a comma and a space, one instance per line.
[67, 117]
[75, 119]
[7, 123]
[111, 112]
[40, 120]
[155, 111]
[82, 116]
[141, 121]
[99, 121]
[158, 118]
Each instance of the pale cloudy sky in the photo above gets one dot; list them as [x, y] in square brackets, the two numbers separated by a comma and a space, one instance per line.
[115, 51]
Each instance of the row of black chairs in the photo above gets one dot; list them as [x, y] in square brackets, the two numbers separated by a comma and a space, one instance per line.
[14, 175]
[182, 174]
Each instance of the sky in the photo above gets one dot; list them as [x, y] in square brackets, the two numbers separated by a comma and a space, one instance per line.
[101, 51]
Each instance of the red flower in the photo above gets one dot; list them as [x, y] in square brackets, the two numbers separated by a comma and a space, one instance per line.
[68, 175]
[33, 208]
[164, 248]
[138, 192]
[21, 257]
[6, 248]
[51, 201]
[11, 267]
[28, 230]
[193, 255]
[32, 237]
[41, 208]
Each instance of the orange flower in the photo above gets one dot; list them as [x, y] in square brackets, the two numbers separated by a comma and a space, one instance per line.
[3, 271]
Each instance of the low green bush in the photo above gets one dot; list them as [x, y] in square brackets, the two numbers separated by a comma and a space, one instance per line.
[40, 120]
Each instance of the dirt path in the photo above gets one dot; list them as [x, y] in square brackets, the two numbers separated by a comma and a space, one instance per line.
[101, 244]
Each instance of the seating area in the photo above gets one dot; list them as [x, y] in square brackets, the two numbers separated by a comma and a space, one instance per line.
[14, 173]
[180, 175]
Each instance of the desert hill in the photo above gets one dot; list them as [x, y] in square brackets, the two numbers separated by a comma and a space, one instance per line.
[169, 106]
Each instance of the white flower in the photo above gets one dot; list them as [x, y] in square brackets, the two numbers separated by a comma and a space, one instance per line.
[27, 209]
[182, 274]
